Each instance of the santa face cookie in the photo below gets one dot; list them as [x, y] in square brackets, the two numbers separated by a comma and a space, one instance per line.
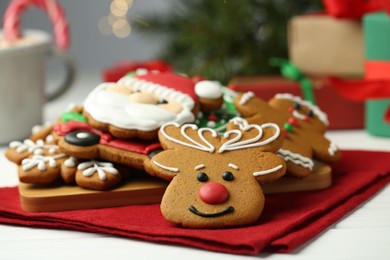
[216, 179]
[136, 106]
[302, 123]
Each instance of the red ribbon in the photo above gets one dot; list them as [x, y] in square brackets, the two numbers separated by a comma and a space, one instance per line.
[387, 115]
[375, 85]
[355, 9]
[361, 90]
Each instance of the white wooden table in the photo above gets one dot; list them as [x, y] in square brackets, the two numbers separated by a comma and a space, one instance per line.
[363, 234]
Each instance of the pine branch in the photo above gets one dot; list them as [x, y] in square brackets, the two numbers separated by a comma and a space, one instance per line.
[219, 39]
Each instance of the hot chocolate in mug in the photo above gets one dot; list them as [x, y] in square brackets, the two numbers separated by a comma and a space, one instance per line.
[22, 83]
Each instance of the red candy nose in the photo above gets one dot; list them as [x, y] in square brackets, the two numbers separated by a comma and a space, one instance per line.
[213, 193]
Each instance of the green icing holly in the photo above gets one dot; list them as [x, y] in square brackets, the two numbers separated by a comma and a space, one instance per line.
[72, 116]
[131, 74]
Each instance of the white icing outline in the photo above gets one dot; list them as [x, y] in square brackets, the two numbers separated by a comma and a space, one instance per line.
[184, 116]
[37, 128]
[70, 162]
[246, 97]
[233, 166]
[171, 169]
[296, 158]
[198, 167]
[232, 144]
[40, 161]
[316, 110]
[33, 147]
[229, 145]
[260, 173]
[90, 167]
[332, 149]
[207, 148]
[298, 115]
[165, 92]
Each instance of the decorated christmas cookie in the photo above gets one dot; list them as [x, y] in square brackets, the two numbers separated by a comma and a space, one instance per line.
[38, 161]
[209, 94]
[41, 162]
[302, 123]
[216, 179]
[81, 140]
[219, 117]
[136, 106]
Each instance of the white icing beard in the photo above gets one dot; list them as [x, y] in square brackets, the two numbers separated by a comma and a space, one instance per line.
[117, 109]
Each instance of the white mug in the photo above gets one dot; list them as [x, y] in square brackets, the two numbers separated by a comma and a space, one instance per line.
[22, 83]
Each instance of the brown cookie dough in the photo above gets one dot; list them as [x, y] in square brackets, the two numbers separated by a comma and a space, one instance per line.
[302, 123]
[216, 179]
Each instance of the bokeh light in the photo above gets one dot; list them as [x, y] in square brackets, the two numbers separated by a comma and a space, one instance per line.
[116, 23]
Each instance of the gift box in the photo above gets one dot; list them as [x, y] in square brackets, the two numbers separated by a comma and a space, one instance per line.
[323, 45]
[377, 52]
[342, 113]
[121, 68]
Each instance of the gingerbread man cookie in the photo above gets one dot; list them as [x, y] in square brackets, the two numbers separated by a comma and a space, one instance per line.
[216, 179]
[303, 124]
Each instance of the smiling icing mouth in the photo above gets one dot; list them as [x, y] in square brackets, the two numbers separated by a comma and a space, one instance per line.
[227, 210]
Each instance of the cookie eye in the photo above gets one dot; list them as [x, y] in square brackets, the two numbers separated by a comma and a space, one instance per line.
[162, 101]
[202, 177]
[297, 106]
[310, 114]
[135, 91]
[82, 138]
[227, 176]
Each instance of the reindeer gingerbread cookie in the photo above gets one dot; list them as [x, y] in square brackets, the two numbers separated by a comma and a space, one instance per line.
[216, 179]
[302, 123]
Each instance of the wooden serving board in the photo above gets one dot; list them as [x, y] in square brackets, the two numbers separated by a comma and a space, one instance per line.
[321, 178]
[37, 198]
[141, 190]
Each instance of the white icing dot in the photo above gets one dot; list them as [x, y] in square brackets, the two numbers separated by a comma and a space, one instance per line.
[38, 152]
[35, 129]
[71, 106]
[49, 139]
[52, 163]
[82, 135]
[208, 89]
[41, 166]
[211, 124]
[70, 162]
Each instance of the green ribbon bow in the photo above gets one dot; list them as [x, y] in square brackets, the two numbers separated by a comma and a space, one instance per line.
[292, 72]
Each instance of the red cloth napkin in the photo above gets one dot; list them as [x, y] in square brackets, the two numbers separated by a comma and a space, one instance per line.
[288, 220]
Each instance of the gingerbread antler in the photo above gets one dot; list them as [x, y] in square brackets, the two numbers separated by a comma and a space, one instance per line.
[234, 143]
